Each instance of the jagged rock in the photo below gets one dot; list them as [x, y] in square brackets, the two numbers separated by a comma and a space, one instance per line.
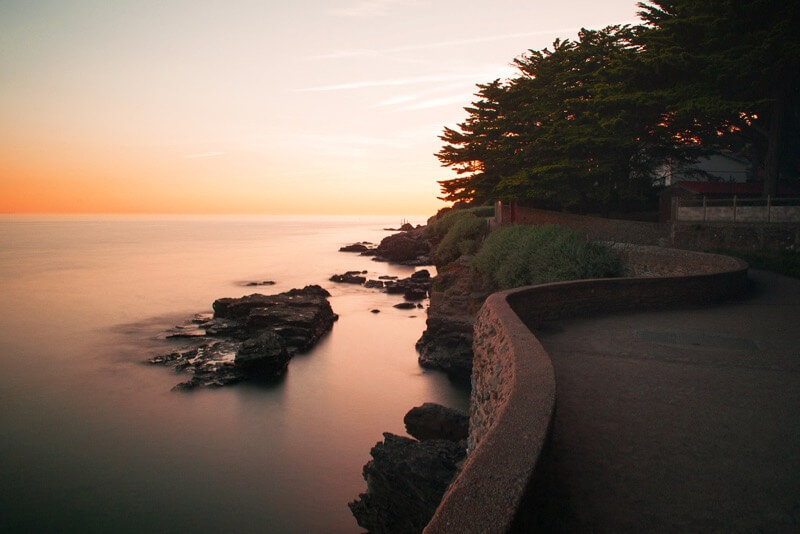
[374, 284]
[261, 283]
[387, 277]
[422, 274]
[364, 246]
[263, 355]
[406, 227]
[406, 479]
[237, 308]
[415, 293]
[446, 343]
[405, 306]
[434, 421]
[350, 277]
[257, 335]
[403, 247]
[415, 287]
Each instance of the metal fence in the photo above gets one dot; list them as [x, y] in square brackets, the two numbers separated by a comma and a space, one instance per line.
[733, 210]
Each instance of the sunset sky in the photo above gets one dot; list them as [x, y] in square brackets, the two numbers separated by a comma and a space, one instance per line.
[194, 106]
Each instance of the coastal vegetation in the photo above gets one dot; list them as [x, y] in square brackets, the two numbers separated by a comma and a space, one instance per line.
[516, 256]
[585, 125]
[458, 232]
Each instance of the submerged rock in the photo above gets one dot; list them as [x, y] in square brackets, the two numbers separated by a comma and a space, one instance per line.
[406, 480]
[350, 277]
[252, 337]
[364, 246]
[434, 421]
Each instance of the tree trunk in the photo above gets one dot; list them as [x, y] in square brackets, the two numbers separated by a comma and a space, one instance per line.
[772, 160]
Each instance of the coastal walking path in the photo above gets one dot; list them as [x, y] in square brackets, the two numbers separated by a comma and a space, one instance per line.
[679, 420]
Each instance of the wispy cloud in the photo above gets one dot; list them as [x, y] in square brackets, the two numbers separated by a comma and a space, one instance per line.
[463, 86]
[369, 8]
[203, 155]
[363, 52]
[439, 102]
[394, 82]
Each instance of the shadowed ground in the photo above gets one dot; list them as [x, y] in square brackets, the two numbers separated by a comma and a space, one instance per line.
[678, 420]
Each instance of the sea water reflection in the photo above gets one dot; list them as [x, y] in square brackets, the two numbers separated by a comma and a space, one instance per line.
[93, 439]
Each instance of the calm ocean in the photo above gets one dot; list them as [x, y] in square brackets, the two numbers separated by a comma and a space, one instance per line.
[94, 440]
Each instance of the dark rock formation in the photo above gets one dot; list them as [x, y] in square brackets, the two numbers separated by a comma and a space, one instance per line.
[406, 479]
[251, 337]
[409, 248]
[434, 421]
[364, 246]
[415, 287]
[264, 355]
[350, 277]
[261, 283]
[422, 274]
[405, 306]
[374, 284]
[414, 293]
[446, 343]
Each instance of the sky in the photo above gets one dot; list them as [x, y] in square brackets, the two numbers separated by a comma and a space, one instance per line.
[205, 106]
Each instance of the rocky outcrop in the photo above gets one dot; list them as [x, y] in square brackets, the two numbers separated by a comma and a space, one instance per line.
[406, 479]
[350, 277]
[446, 343]
[264, 355]
[434, 421]
[250, 337]
[415, 287]
[407, 248]
[364, 246]
[260, 283]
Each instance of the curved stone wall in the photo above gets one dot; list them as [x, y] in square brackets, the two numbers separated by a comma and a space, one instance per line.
[513, 383]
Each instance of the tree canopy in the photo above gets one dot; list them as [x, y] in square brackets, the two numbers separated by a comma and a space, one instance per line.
[585, 123]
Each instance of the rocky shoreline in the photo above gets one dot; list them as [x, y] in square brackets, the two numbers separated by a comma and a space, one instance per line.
[446, 343]
[407, 477]
[249, 338]
[254, 338]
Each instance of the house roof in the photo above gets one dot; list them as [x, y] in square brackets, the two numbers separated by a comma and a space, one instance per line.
[731, 188]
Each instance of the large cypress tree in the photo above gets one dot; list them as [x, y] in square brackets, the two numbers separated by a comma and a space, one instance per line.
[727, 71]
[565, 133]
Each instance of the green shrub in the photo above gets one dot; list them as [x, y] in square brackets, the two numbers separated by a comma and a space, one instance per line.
[463, 237]
[438, 227]
[523, 255]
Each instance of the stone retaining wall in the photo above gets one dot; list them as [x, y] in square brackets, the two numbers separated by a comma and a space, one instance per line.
[513, 384]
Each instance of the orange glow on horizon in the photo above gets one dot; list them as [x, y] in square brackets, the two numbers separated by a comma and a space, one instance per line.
[297, 108]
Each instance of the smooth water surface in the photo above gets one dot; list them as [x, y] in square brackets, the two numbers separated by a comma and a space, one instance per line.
[94, 440]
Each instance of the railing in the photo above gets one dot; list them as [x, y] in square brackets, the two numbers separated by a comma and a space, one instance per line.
[737, 210]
